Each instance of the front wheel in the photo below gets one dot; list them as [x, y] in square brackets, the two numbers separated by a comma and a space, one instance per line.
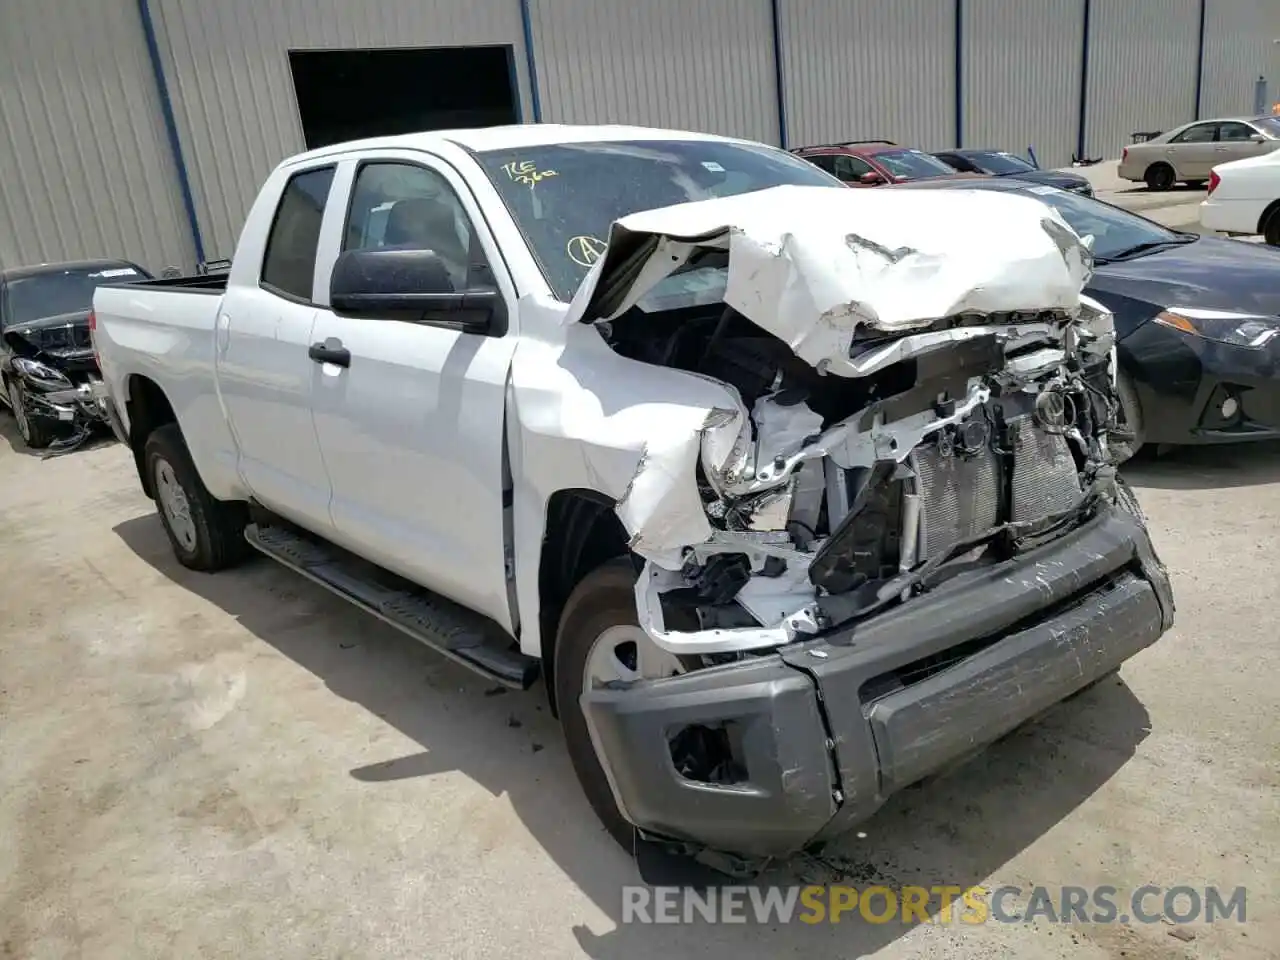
[1130, 417]
[34, 434]
[205, 533]
[599, 643]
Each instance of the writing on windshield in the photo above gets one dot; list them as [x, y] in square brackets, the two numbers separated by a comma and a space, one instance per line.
[564, 197]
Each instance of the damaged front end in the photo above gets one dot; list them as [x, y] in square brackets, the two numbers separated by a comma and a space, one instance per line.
[911, 537]
[54, 383]
[905, 401]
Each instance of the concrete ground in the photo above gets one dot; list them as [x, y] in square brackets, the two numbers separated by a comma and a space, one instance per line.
[241, 765]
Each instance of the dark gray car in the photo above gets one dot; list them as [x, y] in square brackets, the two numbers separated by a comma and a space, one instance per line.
[1001, 163]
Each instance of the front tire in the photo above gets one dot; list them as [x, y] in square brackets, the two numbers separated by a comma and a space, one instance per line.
[33, 433]
[206, 534]
[1160, 177]
[1131, 414]
[599, 622]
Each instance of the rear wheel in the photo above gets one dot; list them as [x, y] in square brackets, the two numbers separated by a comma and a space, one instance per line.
[1271, 229]
[599, 643]
[205, 533]
[1160, 176]
[34, 434]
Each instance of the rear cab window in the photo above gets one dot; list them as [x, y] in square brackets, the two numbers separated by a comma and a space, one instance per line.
[289, 263]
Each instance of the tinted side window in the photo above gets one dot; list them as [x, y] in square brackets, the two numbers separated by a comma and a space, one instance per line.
[289, 264]
[851, 168]
[1200, 133]
[405, 205]
[1236, 132]
[824, 161]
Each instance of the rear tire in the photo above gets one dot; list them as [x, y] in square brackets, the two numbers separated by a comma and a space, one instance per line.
[604, 599]
[1271, 229]
[206, 534]
[1160, 177]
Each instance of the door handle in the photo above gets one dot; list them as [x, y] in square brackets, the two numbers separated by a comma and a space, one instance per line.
[330, 351]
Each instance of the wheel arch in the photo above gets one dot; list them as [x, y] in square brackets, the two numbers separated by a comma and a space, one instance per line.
[148, 408]
[1272, 210]
[582, 533]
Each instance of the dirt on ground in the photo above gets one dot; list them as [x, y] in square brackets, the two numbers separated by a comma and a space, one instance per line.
[241, 765]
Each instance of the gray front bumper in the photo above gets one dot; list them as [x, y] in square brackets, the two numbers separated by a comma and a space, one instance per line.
[823, 732]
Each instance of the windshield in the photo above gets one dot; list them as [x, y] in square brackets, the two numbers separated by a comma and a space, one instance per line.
[912, 164]
[53, 293]
[564, 197]
[1115, 231]
[999, 162]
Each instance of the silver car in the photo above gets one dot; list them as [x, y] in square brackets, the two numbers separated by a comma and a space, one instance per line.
[1188, 153]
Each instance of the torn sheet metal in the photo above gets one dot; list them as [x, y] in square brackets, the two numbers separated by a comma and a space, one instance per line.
[811, 265]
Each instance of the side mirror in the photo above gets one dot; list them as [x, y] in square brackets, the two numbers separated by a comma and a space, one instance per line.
[414, 285]
[871, 178]
[1257, 138]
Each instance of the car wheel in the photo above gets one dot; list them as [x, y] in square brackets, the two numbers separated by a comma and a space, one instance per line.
[1160, 176]
[1130, 419]
[600, 642]
[1271, 230]
[33, 433]
[206, 534]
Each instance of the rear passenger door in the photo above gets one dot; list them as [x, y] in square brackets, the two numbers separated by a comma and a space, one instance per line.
[413, 430]
[264, 377]
[1192, 151]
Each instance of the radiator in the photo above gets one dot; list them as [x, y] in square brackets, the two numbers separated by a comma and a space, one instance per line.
[959, 496]
[1045, 479]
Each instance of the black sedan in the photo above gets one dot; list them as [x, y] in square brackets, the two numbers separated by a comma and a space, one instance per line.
[1197, 320]
[999, 163]
[46, 354]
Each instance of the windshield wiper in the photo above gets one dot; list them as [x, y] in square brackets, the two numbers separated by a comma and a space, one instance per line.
[1147, 246]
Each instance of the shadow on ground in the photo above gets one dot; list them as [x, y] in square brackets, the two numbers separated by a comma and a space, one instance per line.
[1203, 468]
[9, 432]
[953, 831]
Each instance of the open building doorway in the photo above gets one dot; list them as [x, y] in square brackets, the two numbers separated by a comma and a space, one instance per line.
[350, 94]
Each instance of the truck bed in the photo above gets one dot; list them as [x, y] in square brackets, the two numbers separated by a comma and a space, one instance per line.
[215, 283]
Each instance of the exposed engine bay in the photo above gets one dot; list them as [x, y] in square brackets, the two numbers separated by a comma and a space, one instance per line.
[851, 487]
[916, 447]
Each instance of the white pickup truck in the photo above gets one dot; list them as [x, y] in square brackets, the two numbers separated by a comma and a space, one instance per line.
[792, 494]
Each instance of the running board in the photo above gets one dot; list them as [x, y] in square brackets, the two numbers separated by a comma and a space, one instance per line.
[444, 626]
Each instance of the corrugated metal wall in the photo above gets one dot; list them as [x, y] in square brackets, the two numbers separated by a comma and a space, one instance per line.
[85, 169]
[228, 68]
[1142, 69]
[1238, 48]
[705, 65]
[1021, 69]
[858, 69]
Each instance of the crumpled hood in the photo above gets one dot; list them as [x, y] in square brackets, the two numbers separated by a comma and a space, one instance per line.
[812, 265]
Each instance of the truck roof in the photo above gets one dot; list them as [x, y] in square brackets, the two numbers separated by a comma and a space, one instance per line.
[511, 135]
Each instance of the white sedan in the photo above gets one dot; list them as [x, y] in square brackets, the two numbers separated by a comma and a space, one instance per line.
[1244, 198]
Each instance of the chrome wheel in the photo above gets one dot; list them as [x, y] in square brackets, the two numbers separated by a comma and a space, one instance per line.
[174, 505]
[19, 412]
[625, 654]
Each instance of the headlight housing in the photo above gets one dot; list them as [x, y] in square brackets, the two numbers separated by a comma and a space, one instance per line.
[1222, 326]
[40, 374]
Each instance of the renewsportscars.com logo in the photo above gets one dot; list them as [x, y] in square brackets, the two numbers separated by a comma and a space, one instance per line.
[940, 904]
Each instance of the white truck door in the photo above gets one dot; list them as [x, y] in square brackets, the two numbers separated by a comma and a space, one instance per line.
[412, 429]
[264, 332]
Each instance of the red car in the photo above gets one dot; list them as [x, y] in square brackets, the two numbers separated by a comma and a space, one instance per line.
[870, 163]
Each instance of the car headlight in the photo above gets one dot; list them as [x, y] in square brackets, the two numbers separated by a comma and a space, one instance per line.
[1222, 326]
[40, 374]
